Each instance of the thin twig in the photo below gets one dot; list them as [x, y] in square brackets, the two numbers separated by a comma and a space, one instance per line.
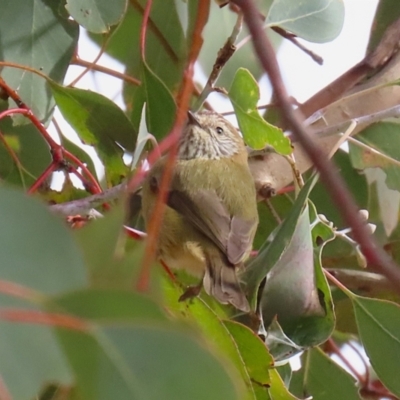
[105, 70]
[292, 38]
[59, 154]
[224, 54]
[360, 280]
[336, 350]
[96, 59]
[376, 256]
[83, 206]
[154, 29]
[392, 112]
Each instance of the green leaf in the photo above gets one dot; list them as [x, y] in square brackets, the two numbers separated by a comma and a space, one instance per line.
[36, 249]
[296, 291]
[379, 328]
[254, 353]
[281, 206]
[33, 351]
[165, 53]
[97, 16]
[140, 360]
[98, 243]
[320, 369]
[278, 391]
[36, 252]
[244, 95]
[160, 105]
[290, 291]
[79, 153]
[318, 21]
[381, 151]
[142, 139]
[31, 150]
[98, 122]
[32, 33]
[271, 253]
[279, 345]
[105, 304]
[212, 325]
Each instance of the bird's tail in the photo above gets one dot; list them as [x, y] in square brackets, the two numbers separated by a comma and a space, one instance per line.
[220, 280]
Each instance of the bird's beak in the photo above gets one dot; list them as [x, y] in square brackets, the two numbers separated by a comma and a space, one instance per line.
[192, 119]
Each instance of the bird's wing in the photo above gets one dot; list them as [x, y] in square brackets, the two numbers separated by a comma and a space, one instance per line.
[206, 212]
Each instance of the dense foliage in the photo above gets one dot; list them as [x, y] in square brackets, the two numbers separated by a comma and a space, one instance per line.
[86, 312]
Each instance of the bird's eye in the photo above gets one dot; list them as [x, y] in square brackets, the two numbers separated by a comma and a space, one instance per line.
[219, 130]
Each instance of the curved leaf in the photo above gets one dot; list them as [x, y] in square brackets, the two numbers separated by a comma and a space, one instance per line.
[99, 122]
[257, 133]
[97, 16]
[378, 323]
[160, 105]
[138, 360]
[320, 369]
[36, 249]
[317, 21]
[271, 253]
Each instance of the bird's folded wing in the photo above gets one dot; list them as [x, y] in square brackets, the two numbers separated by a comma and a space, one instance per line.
[206, 212]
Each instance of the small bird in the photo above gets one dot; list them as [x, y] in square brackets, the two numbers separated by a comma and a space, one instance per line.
[211, 212]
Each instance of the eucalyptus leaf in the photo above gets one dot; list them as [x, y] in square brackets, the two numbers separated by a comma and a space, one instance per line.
[160, 105]
[125, 358]
[257, 133]
[36, 249]
[39, 257]
[278, 389]
[97, 16]
[212, 325]
[320, 369]
[33, 351]
[33, 34]
[255, 355]
[317, 21]
[379, 328]
[271, 252]
[296, 291]
[31, 154]
[99, 122]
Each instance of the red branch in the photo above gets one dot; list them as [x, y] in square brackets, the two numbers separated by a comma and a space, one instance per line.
[39, 317]
[182, 107]
[16, 290]
[377, 258]
[143, 29]
[4, 392]
[59, 154]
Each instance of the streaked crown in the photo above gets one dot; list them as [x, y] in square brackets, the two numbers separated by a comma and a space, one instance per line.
[210, 136]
